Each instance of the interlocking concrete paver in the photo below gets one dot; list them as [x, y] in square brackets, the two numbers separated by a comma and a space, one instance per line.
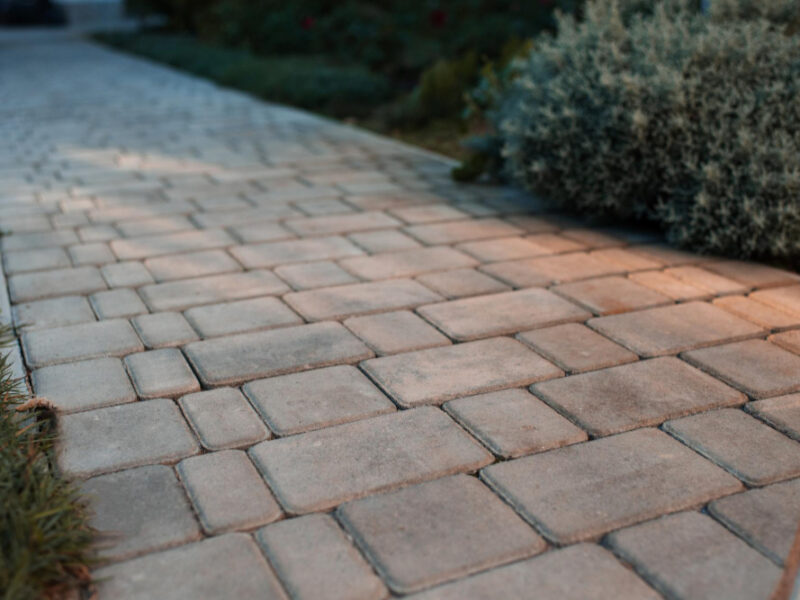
[120, 437]
[749, 449]
[192, 264]
[789, 340]
[636, 395]
[140, 510]
[333, 224]
[782, 412]
[426, 376]
[239, 358]
[308, 276]
[60, 282]
[534, 272]
[407, 263]
[432, 213]
[318, 470]
[30, 241]
[499, 314]
[513, 423]
[583, 491]
[688, 556]
[760, 314]
[766, 518]
[154, 226]
[699, 277]
[161, 374]
[222, 419]
[785, 298]
[752, 275]
[436, 531]
[113, 304]
[56, 312]
[395, 332]
[163, 330]
[227, 492]
[170, 243]
[35, 260]
[273, 254]
[126, 274]
[461, 231]
[592, 238]
[673, 329]
[554, 243]
[84, 385]
[388, 240]
[503, 249]
[244, 315]
[611, 295]
[462, 283]
[315, 559]
[315, 399]
[580, 572]
[673, 287]
[756, 367]
[260, 232]
[576, 348]
[630, 261]
[226, 566]
[96, 253]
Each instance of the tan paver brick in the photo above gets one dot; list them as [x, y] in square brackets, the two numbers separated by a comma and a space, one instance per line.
[500, 314]
[576, 348]
[783, 298]
[179, 295]
[84, 385]
[333, 224]
[554, 243]
[611, 295]
[163, 330]
[752, 275]
[426, 376]
[689, 556]
[698, 277]
[756, 367]
[758, 313]
[226, 566]
[309, 276]
[630, 261]
[765, 518]
[407, 263]
[395, 332]
[114, 337]
[318, 470]
[462, 283]
[376, 242]
[592, 237]
[273, 254]
[161, 374]
[636, 395]
[126, 274]
[545, 270]
[782, 412]
[121, 437]
[315, 399]
[55, 312]
[315, 559]
[582, 491]
[141, 510]
[227, 492]
[437, 531]
[240, 316]
[170, 243]
[750, 450]
[672, 287]
[503, 249]
[114, 304]
[239, 358]
[223, 419]
[668, 255]
[789, 340]
[192, 264]
[60, 282]
[673, 329]
[264, 213]
[579, 572]
[360, 299]
[461, 231]
[513, 423]
[432, 213]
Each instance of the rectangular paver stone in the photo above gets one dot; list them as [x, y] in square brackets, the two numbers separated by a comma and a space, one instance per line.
[544, 270]
[55, 312]
[761, 314]
[318, 470]
[60, 282]
[244, 315]
[388, 240]
[439, 374]
[331, 224]
[39, 259]
[239, 358]
[462, 283]
[192, 264]
[126, 274]
[782, 412]
[308, 276]
[161, 374]
[273, 254]
[462, 231]
[113, 304]
[582, 491]
[395, 332]
[407, 263]
[437, 531]
[611, 295]
[784, 298]
[170, 243]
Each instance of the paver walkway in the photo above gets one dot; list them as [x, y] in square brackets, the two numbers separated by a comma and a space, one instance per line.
[296, 360]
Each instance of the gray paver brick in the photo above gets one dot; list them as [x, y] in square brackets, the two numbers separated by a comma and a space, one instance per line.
[239, 358]
[161, 374]
[222, 419]
[426, 376]
[244, 315]
[163, 330]
[315, 560]
[307, 276]
[388, 240]
[318, 470]
[227, 492]
[191, 264]
[395, 332]
[60, 282]
[114, 337]
[273, 254]
[437, 531]
[348, 223]
[782, 412]
[126, 274]
[29, 241]
[55, 312]
[170, 243]
[407, 263]
[35, 260]
[582, 491]
[96, 253]
[432, 213]
[113, 304]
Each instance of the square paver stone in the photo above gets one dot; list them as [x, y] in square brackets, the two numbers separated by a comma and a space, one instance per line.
[756, 367]
[395, 332]
[114, 304]
[689, 556]
[673, 329]
[60, 282]
[579, 572]
[315, 559]
[437, 531]
[741, 444]
[84, 385]
[244, 315]
[318, 470]
[576, 348]
[611, 295]
[582, 491]
[56, 312]
[244, 357]
[766, 518]
[227, 492]
[114, 337]
[439, 374]
[223, 418]
[164, 330]
[314, 399]
[139, 510]
[783, 413]
[462, 283]
[126, 274]
[636, 395]
[513, 423]
[308, 276]
[500, 314]
[120, 437]
[161, 374]
[226, 566]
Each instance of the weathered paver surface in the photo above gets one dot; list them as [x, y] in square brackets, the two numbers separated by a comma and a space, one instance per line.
[292, 359]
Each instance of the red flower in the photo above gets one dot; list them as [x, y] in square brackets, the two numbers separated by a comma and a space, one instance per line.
[307, 23]
[438, 18]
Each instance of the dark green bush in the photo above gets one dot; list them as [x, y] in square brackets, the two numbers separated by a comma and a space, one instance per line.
[671, 115]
